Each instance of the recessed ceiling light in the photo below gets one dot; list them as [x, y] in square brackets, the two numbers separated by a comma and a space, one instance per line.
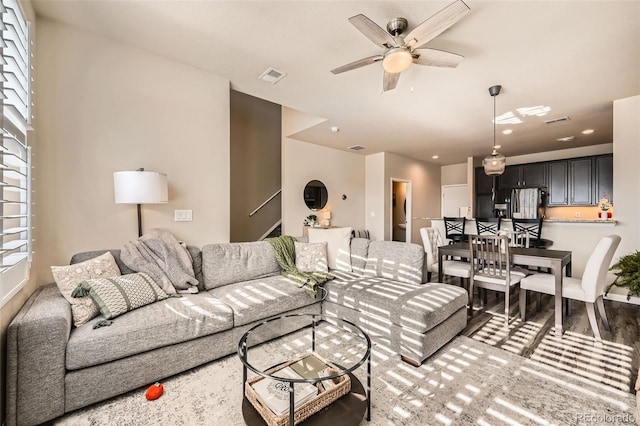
[435, 157]
[566, 139]
[335, 129]
[587, 131]
[507, 131]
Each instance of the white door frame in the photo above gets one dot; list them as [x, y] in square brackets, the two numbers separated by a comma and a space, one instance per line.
[409, 207]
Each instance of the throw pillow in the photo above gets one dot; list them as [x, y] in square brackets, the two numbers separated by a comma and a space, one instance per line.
[338, 248]
[311, 257]
[68, 277]
[117, 295]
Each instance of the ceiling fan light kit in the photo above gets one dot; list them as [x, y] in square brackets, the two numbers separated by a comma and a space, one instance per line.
[495, 163]
[400, 52]
[397, 60]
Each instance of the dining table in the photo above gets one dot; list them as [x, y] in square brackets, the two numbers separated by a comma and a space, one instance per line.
[555, 260]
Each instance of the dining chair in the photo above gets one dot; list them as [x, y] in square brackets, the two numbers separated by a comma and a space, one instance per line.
[454, 229]
[589, 289]
[488, 225]
[491, 268]
[431, 239]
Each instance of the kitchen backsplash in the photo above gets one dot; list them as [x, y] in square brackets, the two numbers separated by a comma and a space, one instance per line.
[588, 212]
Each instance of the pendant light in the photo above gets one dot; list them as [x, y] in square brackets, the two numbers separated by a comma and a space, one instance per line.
[494, 164]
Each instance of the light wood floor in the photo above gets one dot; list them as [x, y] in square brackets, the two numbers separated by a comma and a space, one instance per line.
[613, 361]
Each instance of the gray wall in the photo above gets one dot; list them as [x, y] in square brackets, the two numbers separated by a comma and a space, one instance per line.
[256, 134]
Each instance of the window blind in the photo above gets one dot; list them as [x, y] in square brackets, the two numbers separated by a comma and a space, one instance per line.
[15, 154]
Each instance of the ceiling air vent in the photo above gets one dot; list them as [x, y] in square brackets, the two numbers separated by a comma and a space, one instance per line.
[356, 148]
[272, 75]
[557, 120]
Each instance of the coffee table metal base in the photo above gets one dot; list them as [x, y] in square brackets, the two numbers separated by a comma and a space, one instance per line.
[347, 410]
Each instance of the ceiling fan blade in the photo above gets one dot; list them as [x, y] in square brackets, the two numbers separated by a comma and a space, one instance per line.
[357, 64]
[437, 58]
[390, 81]
[372, 31]
[436, 24]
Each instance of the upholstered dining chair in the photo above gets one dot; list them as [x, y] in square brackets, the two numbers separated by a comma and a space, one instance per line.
[431, 239]
[589, 289]
[491, 268]
[454, 229]
[488, 225]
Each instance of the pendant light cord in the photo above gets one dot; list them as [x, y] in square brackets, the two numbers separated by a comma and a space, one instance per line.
[493, 148]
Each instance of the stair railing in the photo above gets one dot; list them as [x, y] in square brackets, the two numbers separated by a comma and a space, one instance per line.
[266, 202]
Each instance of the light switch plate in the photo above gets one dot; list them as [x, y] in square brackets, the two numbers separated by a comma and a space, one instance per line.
[183, 215]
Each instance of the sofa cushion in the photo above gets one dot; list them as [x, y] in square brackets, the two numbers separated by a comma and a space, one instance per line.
[397, 261]
[160, 324]
[338, 245]
[419, 307]
[68, 277]
[117, 295]
[229, 263]
[262, 298]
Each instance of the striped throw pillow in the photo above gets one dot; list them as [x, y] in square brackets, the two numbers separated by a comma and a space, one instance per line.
[118, 295]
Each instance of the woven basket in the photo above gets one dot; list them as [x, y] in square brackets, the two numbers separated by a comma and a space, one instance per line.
[307, 409]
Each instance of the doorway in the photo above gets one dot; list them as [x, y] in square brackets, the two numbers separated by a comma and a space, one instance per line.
[400, 210]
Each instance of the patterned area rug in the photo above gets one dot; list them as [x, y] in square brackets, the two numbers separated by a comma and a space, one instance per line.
[465, 383]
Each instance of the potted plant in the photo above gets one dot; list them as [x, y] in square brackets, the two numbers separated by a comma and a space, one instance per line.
[310, 220]
[604, 205]
[627, 271]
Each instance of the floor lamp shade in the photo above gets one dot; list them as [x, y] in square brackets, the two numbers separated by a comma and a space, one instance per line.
[140, 187]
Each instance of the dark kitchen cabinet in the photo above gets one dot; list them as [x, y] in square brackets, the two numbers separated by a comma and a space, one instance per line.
[484, 205]
[484, 183]
[572, 182]
[558, 180]
[603, 181]
[510, 179]
[581, 182]
[532, 175]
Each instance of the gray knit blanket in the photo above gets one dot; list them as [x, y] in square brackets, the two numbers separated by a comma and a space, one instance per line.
[159, 254]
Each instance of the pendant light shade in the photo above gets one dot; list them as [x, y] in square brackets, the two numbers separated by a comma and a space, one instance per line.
[494, 164]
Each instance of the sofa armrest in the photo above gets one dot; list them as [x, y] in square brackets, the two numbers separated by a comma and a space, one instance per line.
[36, 350]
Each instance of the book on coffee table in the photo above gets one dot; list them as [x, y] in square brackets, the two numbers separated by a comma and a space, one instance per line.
[275, 393]
[312, 367]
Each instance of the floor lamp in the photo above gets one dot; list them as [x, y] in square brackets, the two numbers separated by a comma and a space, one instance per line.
[140, 187]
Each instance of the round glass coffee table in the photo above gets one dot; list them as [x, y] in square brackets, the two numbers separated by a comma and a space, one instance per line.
[339, 342]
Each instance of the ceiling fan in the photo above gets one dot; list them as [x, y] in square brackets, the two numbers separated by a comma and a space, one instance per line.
[400, 52]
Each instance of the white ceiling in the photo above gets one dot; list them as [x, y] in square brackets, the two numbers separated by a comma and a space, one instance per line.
[575, 57]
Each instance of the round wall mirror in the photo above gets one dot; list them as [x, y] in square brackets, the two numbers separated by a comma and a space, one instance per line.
[315, 195]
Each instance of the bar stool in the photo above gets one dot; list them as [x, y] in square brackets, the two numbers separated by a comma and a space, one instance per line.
[454, 229]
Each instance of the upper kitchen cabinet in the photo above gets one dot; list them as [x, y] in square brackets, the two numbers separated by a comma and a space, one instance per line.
[581, 182]
[558, 178]
[532, 175]
[603, 182]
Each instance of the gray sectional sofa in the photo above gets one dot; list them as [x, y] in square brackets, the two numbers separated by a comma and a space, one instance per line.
[54, 368]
